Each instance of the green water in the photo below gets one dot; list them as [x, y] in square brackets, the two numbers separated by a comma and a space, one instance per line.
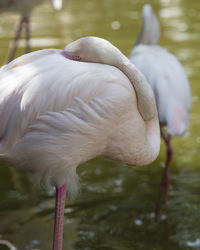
[115, 207]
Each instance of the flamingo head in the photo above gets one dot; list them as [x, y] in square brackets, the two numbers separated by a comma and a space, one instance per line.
[92, 49]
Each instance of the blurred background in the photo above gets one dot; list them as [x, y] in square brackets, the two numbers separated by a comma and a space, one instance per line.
[115, 208]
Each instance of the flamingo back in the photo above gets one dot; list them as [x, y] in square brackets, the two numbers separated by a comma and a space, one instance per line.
[169, 83]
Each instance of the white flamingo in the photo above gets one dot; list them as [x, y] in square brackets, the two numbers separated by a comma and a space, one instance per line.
[24, 7]
[169, 83]
[57, 112]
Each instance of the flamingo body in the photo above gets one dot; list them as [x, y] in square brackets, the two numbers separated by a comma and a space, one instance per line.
[169, 83]
[57, 113]
[49, 104]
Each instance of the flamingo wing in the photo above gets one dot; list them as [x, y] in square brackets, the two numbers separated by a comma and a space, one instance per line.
[169, 83]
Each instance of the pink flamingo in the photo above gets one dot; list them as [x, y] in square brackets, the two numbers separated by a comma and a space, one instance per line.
[169, 83]
[60, 108]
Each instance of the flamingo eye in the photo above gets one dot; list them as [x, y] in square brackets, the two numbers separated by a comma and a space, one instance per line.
[77, 58]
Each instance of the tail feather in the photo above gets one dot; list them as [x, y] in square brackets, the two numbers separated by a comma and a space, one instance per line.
[177, 118]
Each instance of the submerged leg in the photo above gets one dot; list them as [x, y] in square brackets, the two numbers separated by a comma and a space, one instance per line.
[164, 186]
[166, 175]
[15, 41]
[59, 217]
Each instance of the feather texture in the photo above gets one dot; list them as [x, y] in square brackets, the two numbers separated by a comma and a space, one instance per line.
[168, 80]
[57, 113]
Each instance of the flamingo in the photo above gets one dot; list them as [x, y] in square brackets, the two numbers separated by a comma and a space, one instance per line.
[24, 7]
[60, 108]
[169, 83]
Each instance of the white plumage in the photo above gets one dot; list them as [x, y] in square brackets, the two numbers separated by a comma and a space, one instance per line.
[169, 83]
[57, 113]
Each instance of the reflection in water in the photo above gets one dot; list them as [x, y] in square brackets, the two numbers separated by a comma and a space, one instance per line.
[196, 243]
[114, 209]
[42, 42]
[171, 12]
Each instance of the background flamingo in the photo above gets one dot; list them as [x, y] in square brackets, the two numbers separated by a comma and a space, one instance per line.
[169, 83]
[24, 7]
[58, 112]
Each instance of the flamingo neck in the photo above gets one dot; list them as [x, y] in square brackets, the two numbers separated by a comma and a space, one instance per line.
[59, 217]
[63, 53]
[97, 50]
[150, 31]
[145, 96]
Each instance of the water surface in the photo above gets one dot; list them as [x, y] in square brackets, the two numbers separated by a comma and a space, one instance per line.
[115, 207]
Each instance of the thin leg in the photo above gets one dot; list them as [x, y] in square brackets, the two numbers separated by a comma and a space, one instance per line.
[15, 41]
[165, 139]
[59, 218]
[27, 33]
[164, 186]
[166, 175]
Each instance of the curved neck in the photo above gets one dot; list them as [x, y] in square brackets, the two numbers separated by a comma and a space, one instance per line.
[91, 49]
[153, 136]
[135, 142]
[150, 31]
[145, 96]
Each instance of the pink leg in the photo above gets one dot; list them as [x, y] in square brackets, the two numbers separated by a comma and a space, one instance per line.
[15, 41]
[59, 217]
[164, 187]
[166, 175]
